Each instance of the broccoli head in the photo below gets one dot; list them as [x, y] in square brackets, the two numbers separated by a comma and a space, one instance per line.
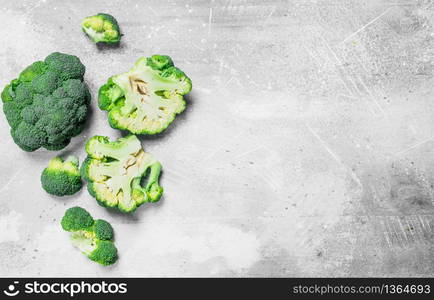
[47, 104]
[102, 28]
[146, 99]
[61, 177]
[94, 238]
[120, 173]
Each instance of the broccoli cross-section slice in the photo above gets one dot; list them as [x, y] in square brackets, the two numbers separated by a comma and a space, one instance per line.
[102, 28]
[61, 177]
[146, 99]
[116, 173]
[94, 238]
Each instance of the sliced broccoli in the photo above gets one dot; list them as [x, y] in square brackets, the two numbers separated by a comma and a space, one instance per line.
[47, 104]
[94, 238]
[61, 177]
[116, 173]
[102, 28]
[146, 99]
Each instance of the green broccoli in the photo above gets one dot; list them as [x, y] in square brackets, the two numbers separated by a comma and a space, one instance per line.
[102, 28]
[61, 177]
[94, 238]
[146, 99]
[47, 104]
[116, 173]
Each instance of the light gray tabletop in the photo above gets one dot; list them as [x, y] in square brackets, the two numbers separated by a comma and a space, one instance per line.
[306, 149]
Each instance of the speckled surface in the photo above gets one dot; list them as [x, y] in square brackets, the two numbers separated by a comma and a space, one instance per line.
[306, 149]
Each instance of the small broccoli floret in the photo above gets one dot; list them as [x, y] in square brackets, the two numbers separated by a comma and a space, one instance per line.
[103, 230]
[92, 238]
[47, 104]
[105, 253]
[28, 137]
[61, 177]
[76, 218]
[102, 28]
[120, 173]
[146, 99]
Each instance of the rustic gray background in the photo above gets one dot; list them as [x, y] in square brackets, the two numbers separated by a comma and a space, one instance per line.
[306, 149]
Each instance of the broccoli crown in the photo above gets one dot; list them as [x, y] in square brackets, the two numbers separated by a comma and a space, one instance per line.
[102, 28]
[94, 238]
[120, 173]
[61, 177]
[47, 104]
[146, 99]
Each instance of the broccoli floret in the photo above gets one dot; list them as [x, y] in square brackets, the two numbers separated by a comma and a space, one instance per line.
[102, 28]
[103, 230]
[105, 253]
[76, 218]
[146, 99]
[47, 104]
[116, 173]
[94, 238]
[61, 177]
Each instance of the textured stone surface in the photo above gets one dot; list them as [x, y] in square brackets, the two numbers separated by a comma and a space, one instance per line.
[306, 149]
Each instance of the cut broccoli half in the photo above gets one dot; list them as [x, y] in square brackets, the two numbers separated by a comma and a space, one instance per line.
[94, 238]
[146, 99]
[61, 177]
[116, 173]
[102, 28]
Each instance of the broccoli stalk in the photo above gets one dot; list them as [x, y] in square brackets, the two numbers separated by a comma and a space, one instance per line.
[94, 238]
[61, 177]
[47, 104]
[116, 173]
[102, 28]
[146, 99]
[152, 191]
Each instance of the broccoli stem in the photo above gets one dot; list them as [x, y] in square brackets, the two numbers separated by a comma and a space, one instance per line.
[154, 174]
[72, 159]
